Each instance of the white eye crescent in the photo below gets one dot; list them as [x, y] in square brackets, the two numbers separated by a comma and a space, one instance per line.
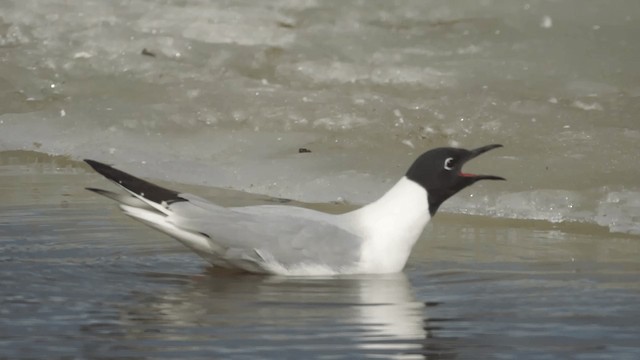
[448, 164]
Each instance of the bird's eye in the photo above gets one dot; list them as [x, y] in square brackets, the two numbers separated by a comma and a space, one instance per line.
[448, 164]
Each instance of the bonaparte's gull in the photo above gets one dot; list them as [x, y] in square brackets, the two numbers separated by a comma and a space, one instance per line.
[281, 239]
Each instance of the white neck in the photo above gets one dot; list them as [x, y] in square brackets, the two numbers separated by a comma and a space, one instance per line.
[391, 226]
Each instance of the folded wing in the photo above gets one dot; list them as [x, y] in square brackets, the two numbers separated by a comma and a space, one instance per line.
[269, 238]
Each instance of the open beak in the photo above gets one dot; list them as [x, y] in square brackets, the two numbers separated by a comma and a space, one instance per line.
[476, 152]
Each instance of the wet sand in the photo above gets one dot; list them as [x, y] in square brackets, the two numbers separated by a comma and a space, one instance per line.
[79, 279]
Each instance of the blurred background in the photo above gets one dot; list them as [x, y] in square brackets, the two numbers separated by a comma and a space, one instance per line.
[226, 93]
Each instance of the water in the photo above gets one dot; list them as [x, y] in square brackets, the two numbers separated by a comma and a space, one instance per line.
[218, 97]
[80, 280]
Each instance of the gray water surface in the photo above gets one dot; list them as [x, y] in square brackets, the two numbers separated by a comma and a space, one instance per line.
[80, 280]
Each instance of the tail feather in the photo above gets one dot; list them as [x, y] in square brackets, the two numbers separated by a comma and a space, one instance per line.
[134, 185]
[149, 204]
[197, 242]
[152, 195]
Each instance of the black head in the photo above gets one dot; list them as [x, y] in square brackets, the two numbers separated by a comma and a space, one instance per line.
[439, 171]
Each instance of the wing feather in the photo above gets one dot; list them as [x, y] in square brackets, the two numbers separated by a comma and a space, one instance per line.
[253, 238]
[290, 235]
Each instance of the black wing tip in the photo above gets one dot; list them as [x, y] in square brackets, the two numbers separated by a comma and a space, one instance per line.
[109, 171]
[93, 162]
[133, 184]
[97, 165]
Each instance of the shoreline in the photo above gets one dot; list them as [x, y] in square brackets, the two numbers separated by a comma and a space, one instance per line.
[57, 179]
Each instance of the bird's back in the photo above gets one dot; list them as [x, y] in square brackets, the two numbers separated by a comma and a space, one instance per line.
[288, 238]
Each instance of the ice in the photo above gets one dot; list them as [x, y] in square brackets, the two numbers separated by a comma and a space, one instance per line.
[212, 24]
[590, 88]
[225, 93]
[342, 122]
[82, 55]
[344, 73]
[546, 22]
[587, 106]
[408, 143]
[620, 211]
[548, 205]
[13, 36]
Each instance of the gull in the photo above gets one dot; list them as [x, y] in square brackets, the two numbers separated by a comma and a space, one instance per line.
[289, 240]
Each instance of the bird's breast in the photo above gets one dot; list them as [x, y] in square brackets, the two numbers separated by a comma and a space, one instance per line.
[391, 226]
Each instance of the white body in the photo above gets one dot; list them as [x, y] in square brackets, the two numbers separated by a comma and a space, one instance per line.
[391, 226]
[376, 238]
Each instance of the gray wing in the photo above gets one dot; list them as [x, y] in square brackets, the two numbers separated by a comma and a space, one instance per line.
[290, 236]
[251, 238]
